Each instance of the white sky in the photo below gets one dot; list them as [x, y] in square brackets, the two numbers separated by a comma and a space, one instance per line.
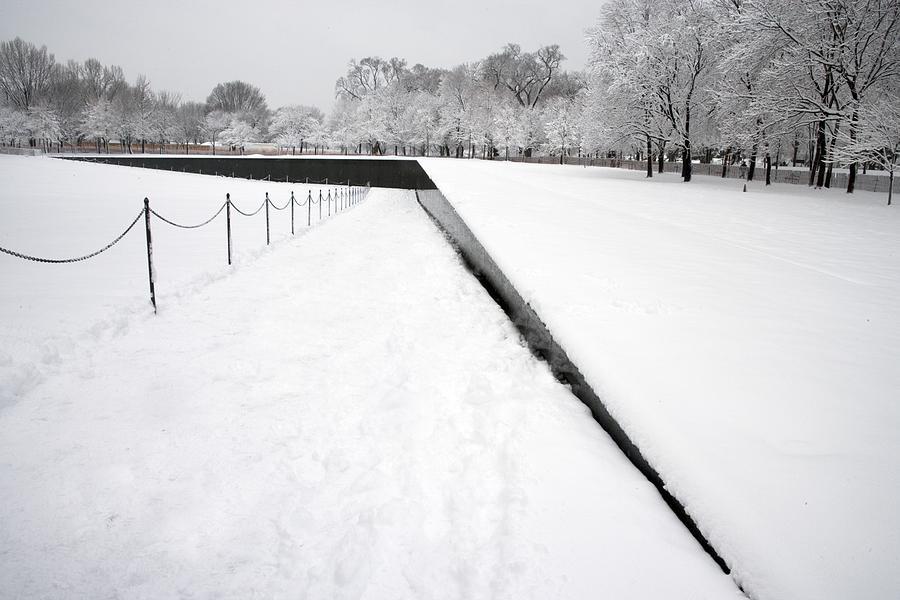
[293, 51]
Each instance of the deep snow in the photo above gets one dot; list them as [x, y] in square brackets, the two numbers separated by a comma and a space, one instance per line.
[344, 415]
[747, 342]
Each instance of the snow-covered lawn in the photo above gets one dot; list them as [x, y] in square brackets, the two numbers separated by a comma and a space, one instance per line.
[344, 415]
[57, 209]
[748, 342]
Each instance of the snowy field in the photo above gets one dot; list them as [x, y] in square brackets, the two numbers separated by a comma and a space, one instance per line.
[346, 414]
[56, 209]
[747, 342]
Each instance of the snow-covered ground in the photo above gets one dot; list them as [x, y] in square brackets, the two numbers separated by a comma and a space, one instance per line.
[747, 342]
[344, 415]
[57, 209]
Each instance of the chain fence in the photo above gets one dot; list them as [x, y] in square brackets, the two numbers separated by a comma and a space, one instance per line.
[343, 198]
[77, 258]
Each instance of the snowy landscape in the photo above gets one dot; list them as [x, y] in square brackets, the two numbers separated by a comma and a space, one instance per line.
[612, 315]
[347, 414]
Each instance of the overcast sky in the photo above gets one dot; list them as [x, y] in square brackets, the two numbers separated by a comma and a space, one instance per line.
[293, 51]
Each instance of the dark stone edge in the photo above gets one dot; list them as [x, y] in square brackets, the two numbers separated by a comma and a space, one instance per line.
[545, 347]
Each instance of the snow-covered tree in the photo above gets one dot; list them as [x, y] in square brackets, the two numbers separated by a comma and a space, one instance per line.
[239, 133]
[25, 73]
[876, 137]
[524, 75]
[102, 82]
[68, 98]
[456, 110]
[426, 118]
[319, 135]
[368, 123]
[459, 92]
[13, 126]
[563, 117]
[368, 76]
[164, 121]
[43, 125]
[213, 125]
[140, 111]
[292, 125]
[189, 121]
[99, 123]
[622, 105]
[508, 129]
[832, 54]
[342, 123]
[240, 98]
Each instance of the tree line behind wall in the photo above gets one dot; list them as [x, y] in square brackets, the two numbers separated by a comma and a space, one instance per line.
[512, 99]
[753, 82]
[43, 102]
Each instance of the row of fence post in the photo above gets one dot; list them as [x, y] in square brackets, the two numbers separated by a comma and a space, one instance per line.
[354, 195]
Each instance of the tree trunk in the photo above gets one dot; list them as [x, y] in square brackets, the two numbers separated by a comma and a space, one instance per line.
[768, 160]
[851, 178]
[649, 157]
[725, 160]
[890, 186]
[686, 156]
[831, 146]
[816, 166]
[777, 157]
[662, 156]
[752, 170]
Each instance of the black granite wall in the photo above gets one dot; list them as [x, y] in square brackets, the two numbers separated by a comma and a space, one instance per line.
[377, 172]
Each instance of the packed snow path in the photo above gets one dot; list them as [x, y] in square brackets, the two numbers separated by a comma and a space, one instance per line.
[746, 342]
[346, 416]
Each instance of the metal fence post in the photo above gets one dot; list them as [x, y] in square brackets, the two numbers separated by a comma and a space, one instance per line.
[329, 203]
[149, 253]
[228, 223]
[320, 205]
[267, 218]
[292, 213]
[309, 208]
